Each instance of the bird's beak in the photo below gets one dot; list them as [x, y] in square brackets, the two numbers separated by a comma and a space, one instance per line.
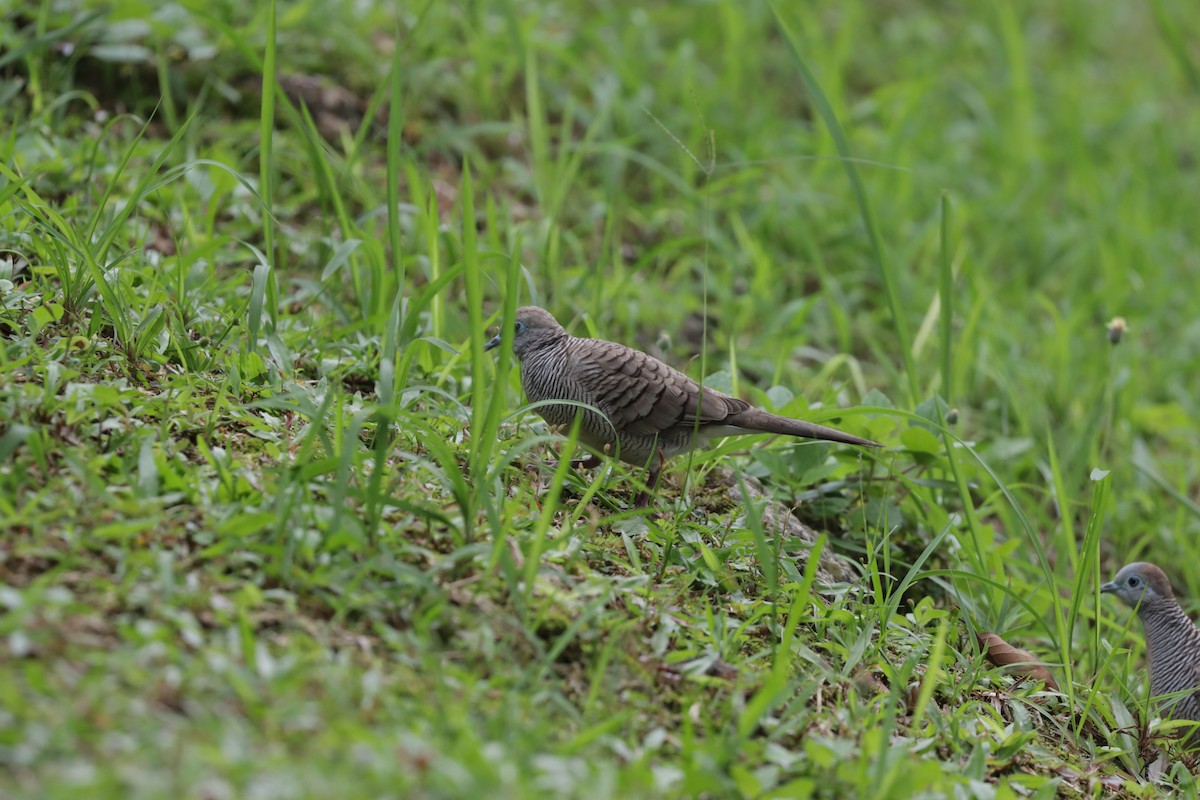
[492, 344]
[1108, 587]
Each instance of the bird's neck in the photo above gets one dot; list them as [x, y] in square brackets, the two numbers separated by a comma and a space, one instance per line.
[547, 347]
[1163, 622]
[545, 367]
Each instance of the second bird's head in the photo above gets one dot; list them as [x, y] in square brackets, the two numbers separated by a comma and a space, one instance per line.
[1141, 585]
[533, 327]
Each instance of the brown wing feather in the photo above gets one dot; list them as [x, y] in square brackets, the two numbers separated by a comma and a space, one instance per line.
[642, 395]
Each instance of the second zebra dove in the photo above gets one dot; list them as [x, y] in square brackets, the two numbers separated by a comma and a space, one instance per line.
[1172, 639]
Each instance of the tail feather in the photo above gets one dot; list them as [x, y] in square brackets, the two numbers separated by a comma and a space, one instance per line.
[753, 419]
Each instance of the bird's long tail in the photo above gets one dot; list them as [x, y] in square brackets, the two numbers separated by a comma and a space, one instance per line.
[756, 419]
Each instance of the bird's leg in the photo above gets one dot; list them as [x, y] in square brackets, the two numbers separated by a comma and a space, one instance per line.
[587, 462]
[592, 460]
[643, 498]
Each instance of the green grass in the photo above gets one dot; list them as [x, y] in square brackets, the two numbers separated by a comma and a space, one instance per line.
[273, 524]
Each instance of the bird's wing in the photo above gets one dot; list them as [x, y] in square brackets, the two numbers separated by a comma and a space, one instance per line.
[642, 395]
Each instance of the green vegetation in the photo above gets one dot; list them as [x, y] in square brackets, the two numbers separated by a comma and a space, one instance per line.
[275, 526]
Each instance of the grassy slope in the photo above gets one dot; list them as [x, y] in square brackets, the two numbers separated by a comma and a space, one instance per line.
[266, 532]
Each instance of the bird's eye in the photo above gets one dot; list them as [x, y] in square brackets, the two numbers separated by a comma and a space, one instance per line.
[518, 326]
[1134, 581]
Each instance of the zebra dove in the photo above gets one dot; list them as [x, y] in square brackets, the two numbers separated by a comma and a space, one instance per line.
[648, 412]
[1172, 639]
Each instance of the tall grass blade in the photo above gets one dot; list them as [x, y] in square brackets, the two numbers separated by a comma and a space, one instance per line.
[882, 263]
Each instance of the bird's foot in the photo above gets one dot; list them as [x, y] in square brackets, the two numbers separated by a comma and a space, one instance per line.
[587, 462]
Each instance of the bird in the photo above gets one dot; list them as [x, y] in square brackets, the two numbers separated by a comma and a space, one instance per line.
[1172, 639]
[644, 412]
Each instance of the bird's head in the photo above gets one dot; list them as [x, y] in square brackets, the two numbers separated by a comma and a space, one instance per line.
[1141, 585]
[533, 328]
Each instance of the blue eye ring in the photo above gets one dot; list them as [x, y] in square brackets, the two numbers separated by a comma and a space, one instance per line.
[518, 326]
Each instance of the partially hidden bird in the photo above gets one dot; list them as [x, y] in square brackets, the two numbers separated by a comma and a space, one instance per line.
[642, 411]
[1172, 639]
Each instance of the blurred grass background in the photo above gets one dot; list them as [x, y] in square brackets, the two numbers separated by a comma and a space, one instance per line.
[264, 534]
